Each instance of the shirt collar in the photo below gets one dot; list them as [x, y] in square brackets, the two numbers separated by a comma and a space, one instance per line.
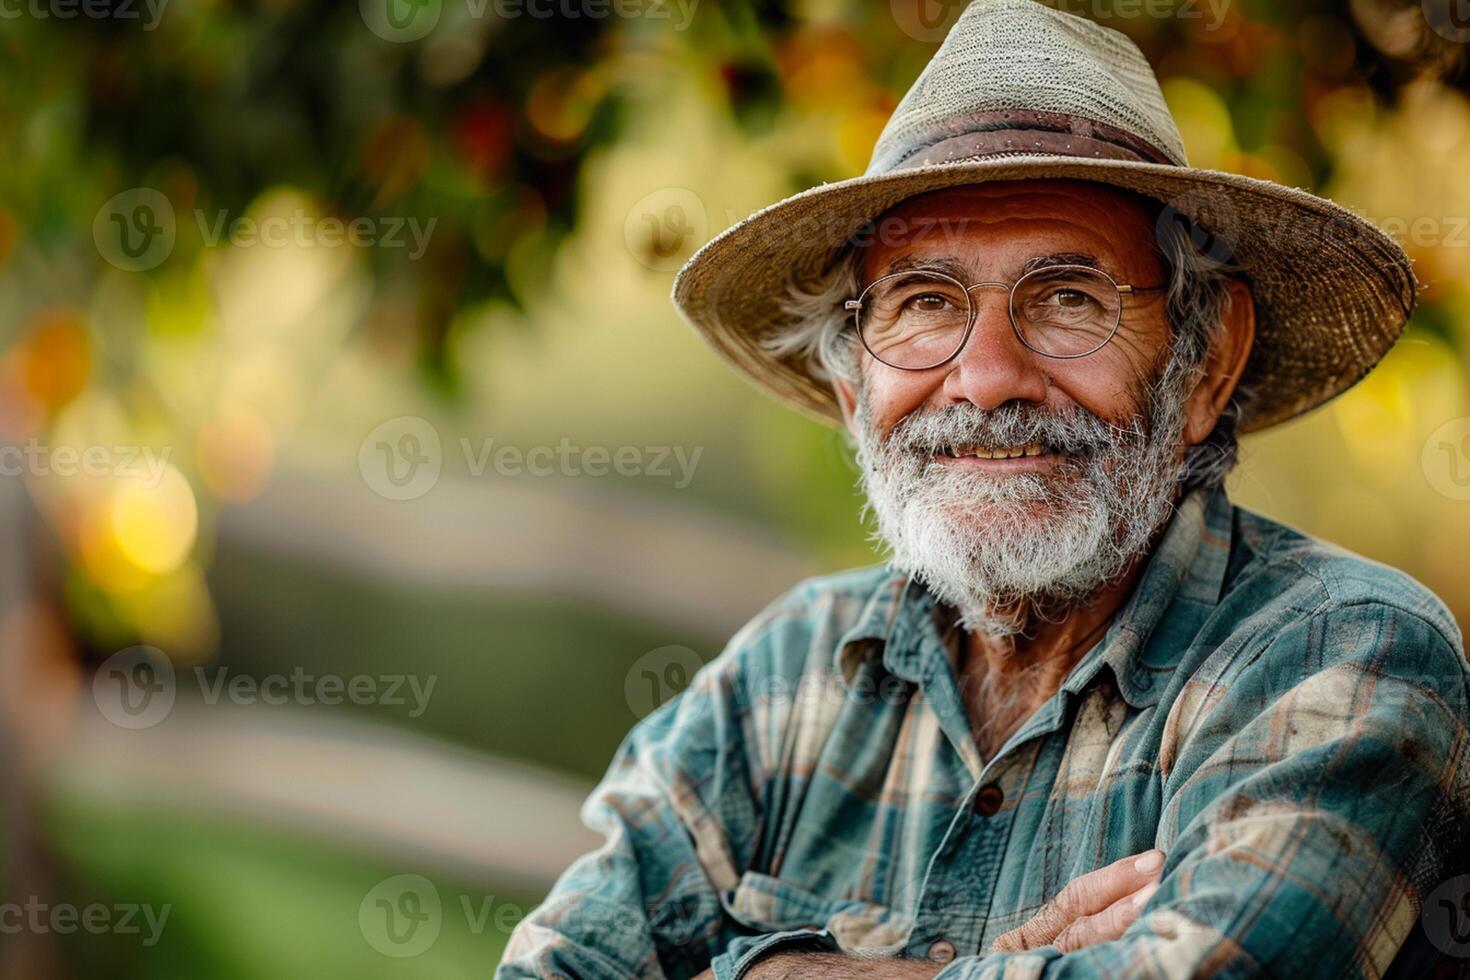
[1179, 588]
[875, 623]
[1183, 578]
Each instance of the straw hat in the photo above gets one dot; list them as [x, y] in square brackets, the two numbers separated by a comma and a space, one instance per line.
[1020, 90]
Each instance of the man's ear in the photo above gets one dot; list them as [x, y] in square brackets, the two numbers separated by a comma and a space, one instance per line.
[1223, 366]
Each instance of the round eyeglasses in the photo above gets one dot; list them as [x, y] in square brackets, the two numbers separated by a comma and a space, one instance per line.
[919, 320]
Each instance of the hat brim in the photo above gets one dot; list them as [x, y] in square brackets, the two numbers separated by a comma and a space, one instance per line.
[1332, 292]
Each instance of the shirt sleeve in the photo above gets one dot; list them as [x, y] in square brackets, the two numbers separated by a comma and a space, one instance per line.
[1316, 799]
[679, 812]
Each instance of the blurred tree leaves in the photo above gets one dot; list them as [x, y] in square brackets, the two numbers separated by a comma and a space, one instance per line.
[481, 125]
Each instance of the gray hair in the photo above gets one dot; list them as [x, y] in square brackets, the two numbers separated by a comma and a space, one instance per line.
[822, 339]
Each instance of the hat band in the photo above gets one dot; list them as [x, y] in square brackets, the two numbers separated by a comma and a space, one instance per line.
[1014, 131]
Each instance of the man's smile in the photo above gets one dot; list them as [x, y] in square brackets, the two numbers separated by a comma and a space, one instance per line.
[1031, 458]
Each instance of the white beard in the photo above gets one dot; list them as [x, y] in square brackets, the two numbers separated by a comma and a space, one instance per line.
[999, 547]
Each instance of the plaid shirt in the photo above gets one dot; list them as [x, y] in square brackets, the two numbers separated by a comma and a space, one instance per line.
[1285, 720]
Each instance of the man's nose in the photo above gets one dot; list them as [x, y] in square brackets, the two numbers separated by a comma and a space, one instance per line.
[994, 367]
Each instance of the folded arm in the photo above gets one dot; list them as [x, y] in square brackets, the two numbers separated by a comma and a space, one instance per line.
[1305, 819]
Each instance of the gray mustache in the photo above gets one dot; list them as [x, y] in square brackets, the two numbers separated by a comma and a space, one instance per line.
[1076, 432]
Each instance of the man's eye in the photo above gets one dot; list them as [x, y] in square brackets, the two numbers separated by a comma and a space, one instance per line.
[928, 303]
[1071, 299]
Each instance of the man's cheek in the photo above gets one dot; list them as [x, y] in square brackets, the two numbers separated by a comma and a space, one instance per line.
[890, 395]
[1110, 384]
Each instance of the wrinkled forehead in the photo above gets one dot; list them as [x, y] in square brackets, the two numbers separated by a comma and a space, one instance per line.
[993, 230]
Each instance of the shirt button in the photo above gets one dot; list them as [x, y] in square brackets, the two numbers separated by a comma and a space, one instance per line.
[942, 951]
[989, 799]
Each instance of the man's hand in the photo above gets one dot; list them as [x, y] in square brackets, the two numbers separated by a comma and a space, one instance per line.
[1095, 908]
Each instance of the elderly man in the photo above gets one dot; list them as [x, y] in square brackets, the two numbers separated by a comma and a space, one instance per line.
[1090, 718]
